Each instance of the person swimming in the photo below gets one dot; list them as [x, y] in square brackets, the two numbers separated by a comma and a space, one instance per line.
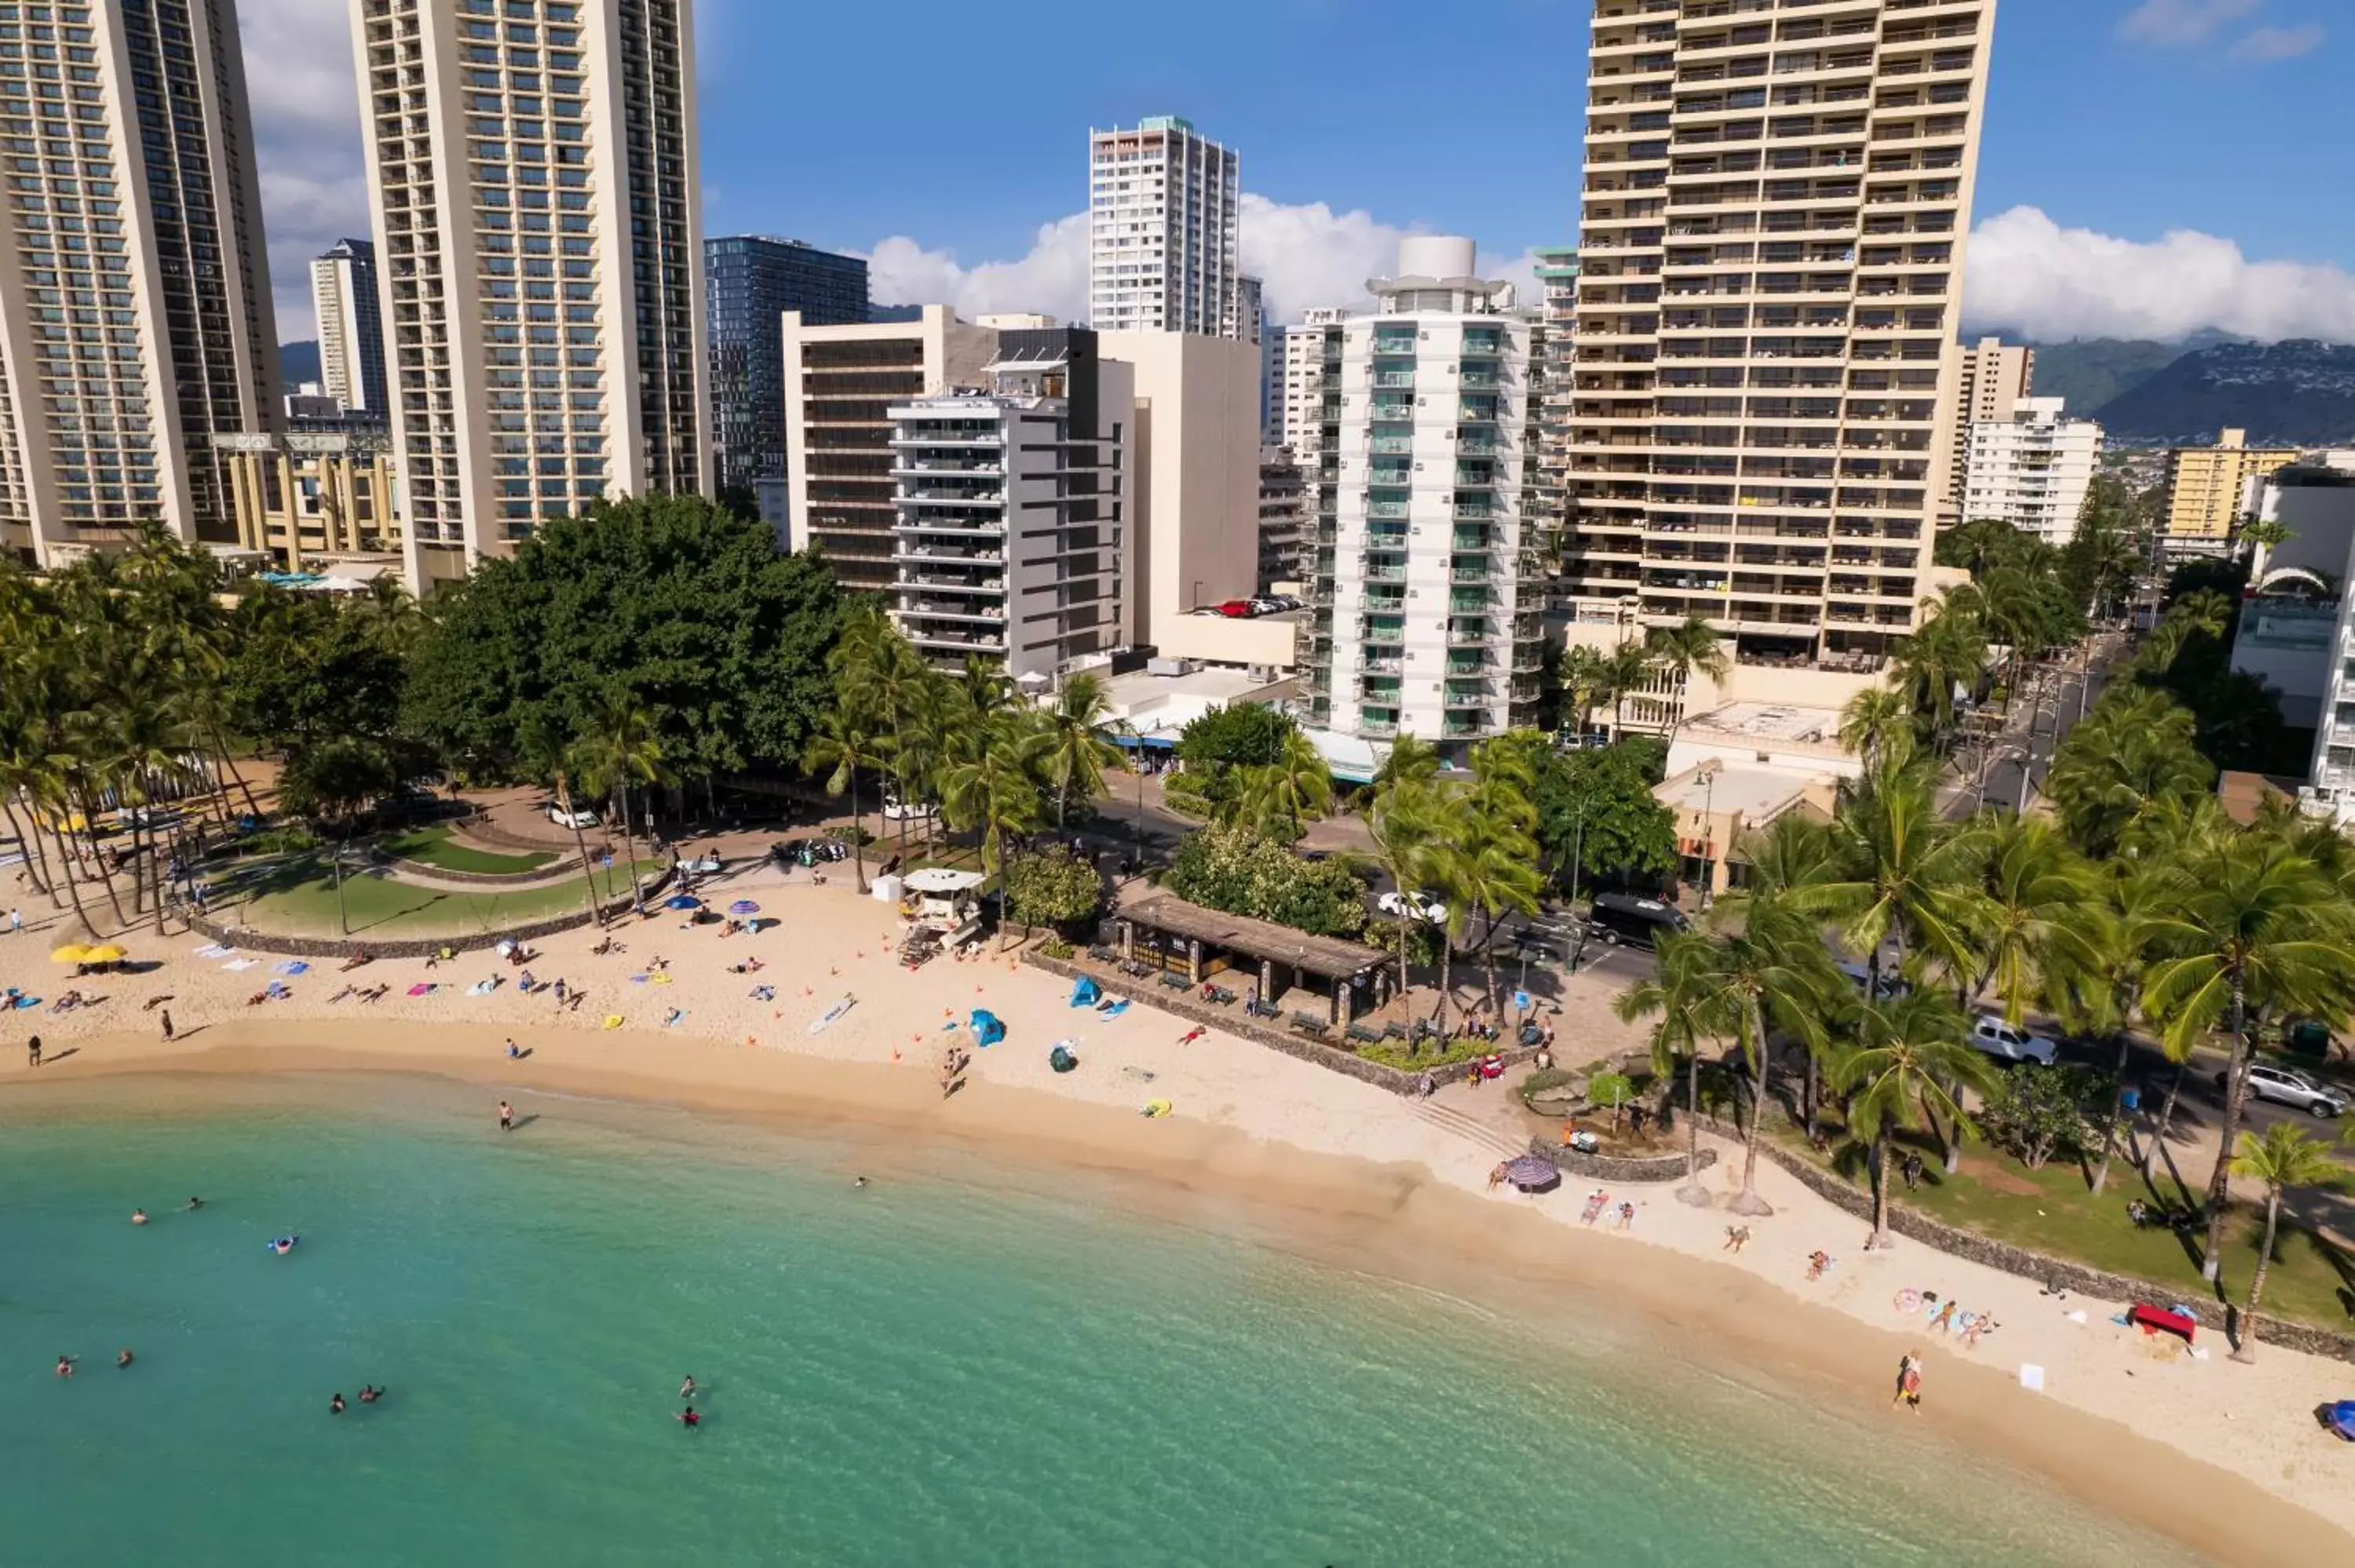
[125, 1359]
[336, 1405]
[195, 1204]
[370, 1394]
[688, 1418]
[138, 1217]
[65, 1366]
[687, 1387]
[858, 1180]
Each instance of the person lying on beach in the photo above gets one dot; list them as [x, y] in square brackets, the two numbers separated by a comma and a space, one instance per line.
[1626, 1216]
[153, 1003]
[1817, 1261]
[1192, 1034]
[1736, 1238]
[1595, 1201]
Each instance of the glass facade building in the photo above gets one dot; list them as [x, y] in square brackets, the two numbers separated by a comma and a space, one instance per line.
[750, 282]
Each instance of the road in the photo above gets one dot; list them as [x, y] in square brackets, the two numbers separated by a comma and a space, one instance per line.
[2063, 691]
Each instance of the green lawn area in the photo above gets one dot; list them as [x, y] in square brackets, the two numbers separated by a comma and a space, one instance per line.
[433, 846]
[298, 896]
[2050, 1211]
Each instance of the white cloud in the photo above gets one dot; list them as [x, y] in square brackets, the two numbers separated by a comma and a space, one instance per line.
[2027, 274]
[1304, 255]
[299, 75]
[2278, 43]
[2173, 22]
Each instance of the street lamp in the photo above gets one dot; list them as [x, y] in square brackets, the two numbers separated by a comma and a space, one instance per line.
[1709, 837]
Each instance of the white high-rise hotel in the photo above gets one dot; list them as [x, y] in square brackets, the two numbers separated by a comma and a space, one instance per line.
[532, 172]
[135, 318]
[1162, 246]
[1776, 201]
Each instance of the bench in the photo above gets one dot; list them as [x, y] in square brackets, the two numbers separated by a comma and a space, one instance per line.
[1176, 982]
[1365, 1036]
[1394, 1030]
[1308, 1024]
[1103, 954]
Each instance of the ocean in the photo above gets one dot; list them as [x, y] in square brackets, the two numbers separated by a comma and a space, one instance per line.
[967, 1361]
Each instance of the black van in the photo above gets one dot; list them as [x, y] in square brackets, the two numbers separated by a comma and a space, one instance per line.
[1638, 922]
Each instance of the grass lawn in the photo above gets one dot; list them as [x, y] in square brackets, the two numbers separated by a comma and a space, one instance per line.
[433, 846]
[297, 895]
[2050, 1211]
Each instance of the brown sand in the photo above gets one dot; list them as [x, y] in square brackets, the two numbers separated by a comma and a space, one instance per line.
[2224, 1457]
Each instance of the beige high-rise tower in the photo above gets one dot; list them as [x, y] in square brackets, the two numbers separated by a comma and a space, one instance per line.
[532, 170]
[135, 317]
[1777, 198]
[1991, 379]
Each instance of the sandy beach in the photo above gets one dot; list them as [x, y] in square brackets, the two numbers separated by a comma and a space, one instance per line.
[2225, 1458]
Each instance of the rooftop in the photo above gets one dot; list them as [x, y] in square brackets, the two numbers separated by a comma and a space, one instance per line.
[1327, 957]
[1769, 722]
[1757, 795]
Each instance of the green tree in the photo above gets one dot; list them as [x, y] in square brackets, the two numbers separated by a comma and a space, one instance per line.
[617, 750]
[842, 746]
[1596, 811]
[1691, 647]
[543, 754]
[2283, 1158]
[1407, 822]
[1245, 873]
[1076, 753]
[1054, 888]
[1240, 734]
[2037, 1112]
[1684, 996]
[1906, 1054]
[1775, 975]
[2037, 914]
[1294, 789]
[993, 788]
[1877, 725]
[2133, 755]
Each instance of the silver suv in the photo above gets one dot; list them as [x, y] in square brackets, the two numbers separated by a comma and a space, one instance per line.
[2293, 1088]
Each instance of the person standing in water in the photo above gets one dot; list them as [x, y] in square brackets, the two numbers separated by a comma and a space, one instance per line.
[507, 1117]
[686, 1388]
[33, 1050]
[138, 1217]
[688, 1418]
[125, 1359]
[336, 1405]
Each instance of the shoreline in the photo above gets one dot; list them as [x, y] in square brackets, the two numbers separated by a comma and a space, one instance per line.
[1394, 1221]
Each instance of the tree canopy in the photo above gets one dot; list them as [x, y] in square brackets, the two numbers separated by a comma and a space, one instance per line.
[674, 603]
[1599, 804]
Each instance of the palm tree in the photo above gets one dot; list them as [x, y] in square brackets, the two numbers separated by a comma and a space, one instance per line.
[1076, 753]
[1946, 651]
[2285, 1158]
[1690, 647]
[1899, 1074]
[841, 745]
[147, 748]
[2096, 987]
[1685, 997]
[1410, 761]
[2041, 898]
[1293, 790]
[995, 789]
[1878, 726]
[541, 749]
[2248, 922]
[1405, 825]
[1623, 670]
[619, 750]
[1775, 975]
[1796, 856]
[2135, 751]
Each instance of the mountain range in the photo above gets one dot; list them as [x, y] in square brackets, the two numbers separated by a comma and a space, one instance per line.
[2298, 392]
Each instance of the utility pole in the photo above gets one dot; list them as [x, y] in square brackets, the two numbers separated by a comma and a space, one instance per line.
[1709, 837]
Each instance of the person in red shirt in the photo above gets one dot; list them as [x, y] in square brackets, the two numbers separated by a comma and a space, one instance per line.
[688, 1418]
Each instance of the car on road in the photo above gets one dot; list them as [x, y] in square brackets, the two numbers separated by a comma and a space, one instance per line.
[1619, 917]
[580, 817]
[2010, 1043]
[2286, 1086]
[1419, 905]
[897, 811]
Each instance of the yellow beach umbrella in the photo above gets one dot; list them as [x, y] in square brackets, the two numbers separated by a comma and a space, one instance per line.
[105, 953]
[71, 953]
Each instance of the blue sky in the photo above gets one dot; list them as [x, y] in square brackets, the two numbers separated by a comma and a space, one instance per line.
[947, 140]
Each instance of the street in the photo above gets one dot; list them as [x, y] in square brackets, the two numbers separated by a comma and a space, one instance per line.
[2016, 760]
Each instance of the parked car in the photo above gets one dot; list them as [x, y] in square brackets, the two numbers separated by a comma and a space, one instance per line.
[150, 817]
[580, 817]
[1419, 905]
[2010, 1043]
[1266, 606]
[1237, 608]
[897, 811]
[2284, 1085]
[1859, 976]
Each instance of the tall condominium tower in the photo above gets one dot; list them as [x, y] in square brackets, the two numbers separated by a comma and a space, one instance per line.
[751, 283]
[532, 172]
[1991, 377]
[2031, 468]
[351, 326]
[1423, 617]
[1776, 201]
[135, 317]
[1162, 246]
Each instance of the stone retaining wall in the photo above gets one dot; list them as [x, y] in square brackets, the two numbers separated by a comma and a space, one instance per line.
[555, 870]
[1614, 1168]
[1189, 1005]
[413, 947]
[2056, 1273]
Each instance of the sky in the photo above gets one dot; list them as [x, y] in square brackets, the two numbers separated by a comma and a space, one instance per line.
[2148, 168]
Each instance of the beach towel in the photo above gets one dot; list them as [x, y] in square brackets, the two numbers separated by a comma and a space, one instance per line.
[640, 979]
[235, 964]
[22, 1002]
[482, 988]
[422, 988]
[292, 967]
[1116, 1009]
[214, 951]
[2031, 1376]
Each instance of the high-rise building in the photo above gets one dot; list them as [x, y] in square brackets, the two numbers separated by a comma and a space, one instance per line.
[351, 328]
[1298, 416]
[1248, 321]
[1776, 201]
[136, 322]
[2031, 468]
[1009, 508]
[1283, 517]
[1991, 377]
[532, 173]
[1423, 618]
[315, 496]
[1557, 270]
[751, 283]
[1162, 236]
[841, 384]
[2204, 491]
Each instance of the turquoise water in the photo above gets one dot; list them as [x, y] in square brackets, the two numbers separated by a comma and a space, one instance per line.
[961, 1364]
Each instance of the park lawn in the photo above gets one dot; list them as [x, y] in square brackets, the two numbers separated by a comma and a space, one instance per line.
[301, 900]
[433, 846]
[2050, 1211]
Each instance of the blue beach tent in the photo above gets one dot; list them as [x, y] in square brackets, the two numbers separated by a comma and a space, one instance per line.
[987, 1029]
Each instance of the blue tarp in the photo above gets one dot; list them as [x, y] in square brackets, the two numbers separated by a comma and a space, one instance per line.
[987, 1029]
[2342, 1419]
[1085, 993]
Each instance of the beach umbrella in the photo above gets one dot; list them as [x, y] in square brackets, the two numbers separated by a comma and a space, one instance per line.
[1530, 1172]
[682, 901]
[104, 953]
[71, 953]
[743, 907]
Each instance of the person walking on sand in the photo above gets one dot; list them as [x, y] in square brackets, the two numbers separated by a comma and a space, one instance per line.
[16, 921]
[167, 1026]
[507, 1117]
[1736, 1238]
